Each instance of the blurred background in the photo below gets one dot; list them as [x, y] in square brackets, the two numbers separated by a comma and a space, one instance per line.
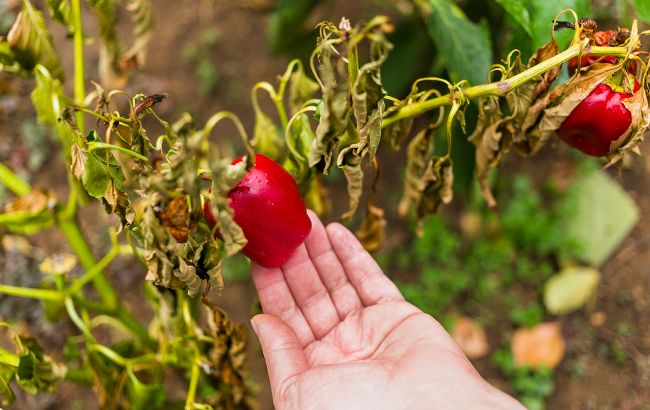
[505, 284]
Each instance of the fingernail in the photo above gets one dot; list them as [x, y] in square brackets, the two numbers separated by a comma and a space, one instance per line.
[254, 324]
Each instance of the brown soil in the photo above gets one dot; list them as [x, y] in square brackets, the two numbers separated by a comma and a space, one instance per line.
[588, 378]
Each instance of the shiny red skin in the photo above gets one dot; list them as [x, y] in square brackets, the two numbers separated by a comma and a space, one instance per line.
[597, 121]
[270, 210]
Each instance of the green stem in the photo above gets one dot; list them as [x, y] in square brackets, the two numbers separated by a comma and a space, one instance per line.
[79, 376]
[82, 250]
[9, 179]
[92, 272]
[97, 145]
[79, 86]
[501, 88]
[194, 382]
[32, 293]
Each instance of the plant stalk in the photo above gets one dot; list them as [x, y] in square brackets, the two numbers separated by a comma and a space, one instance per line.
[501, 88]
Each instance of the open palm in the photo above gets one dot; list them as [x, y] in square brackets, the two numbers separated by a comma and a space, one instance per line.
[337, 334]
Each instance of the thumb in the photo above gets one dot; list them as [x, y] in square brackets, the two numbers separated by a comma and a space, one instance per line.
[283, 353]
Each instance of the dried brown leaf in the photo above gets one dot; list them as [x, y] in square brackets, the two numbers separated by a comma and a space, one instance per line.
[371, 233]
[417, 155]
[539, 347]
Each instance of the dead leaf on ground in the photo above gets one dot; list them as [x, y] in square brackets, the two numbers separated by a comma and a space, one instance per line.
[470, 337]
[538, 347]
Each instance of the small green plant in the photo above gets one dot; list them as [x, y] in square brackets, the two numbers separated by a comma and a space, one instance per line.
[201, 55]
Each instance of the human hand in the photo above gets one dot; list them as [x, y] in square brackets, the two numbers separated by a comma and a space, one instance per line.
[337, 334]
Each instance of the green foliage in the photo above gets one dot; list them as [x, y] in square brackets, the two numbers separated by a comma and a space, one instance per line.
[464, 46]
[642, 9]
[532, 386]
[517, 9]
[513, 249]
[201, 55]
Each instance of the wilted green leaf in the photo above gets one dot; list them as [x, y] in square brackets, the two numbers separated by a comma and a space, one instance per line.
[299, 140]
[301, 89]
[144, 396]
[36, 371]
[96, 176]
[266, 138]
[517, 9]
[604, 214]
[60, 11]
[570, 289]
[464, 46]
[31, 41]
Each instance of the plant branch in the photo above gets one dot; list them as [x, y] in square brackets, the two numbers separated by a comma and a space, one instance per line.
[501, 88]
[9, 179]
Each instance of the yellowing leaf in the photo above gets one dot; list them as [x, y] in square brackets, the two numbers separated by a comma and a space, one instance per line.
[58, 264]
[470, 337]
[570, 289]
[541, 346]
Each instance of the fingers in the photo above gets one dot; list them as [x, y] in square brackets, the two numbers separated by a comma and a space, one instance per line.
[364, 274]
[330, 270]
[283, 352]
[276, 299]
[309, 293]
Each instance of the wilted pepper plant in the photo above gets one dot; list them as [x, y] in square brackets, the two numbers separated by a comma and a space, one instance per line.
[182, 204]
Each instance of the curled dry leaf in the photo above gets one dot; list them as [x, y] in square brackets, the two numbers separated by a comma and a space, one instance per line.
[630, 140]
[435, 186]
[527, 102]
[417, 155]
[470, 337]
[371, 233]
[175, 217]
[566, 97]
[492, 138]
[539, 347]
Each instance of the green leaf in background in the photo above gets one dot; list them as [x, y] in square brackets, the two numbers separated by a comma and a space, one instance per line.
[543, 12]
[285, 28]
[517, 9]
[144, 396]
[570, 289]
[643, 9]
[465, 46]
[60, 11]
[31, 41]
[604, 215]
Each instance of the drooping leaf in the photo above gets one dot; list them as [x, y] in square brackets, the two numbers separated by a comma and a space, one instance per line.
[29, 213]
[517, 9]
[570, 289]
[417, 155]
[299, 140]
[60, 11]
[492, 138]
[372, 233]
[350, 164]
[335, 109]
[143, 20]
[301, 89]
[96, 177]
[31, 41]
[539, 347]
[110, 50]
[640, 122]
[266, 137]
[36, 371]
[464, 46]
